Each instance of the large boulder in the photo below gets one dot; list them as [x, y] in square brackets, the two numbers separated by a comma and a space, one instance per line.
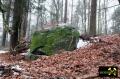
[55, 39]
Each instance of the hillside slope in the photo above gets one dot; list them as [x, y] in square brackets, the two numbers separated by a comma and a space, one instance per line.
[81, 63]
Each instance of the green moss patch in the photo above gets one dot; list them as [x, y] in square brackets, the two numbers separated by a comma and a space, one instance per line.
[55, 39]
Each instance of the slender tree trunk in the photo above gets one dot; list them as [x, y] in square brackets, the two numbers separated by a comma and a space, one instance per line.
[65, 14]
[28, 32]
[62, 12]
[4, 31]
[93, 17]
[72, 13]
[25, 18]
[82, 18]
[57, 11]
[85, 16]
[105, 4]
[89, 1]
[99, 18]
[6, 21]
[4, 38]
[24, 25]
[38, 15]
[29, 24]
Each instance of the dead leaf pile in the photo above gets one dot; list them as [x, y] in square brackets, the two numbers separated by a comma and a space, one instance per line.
[81, 63]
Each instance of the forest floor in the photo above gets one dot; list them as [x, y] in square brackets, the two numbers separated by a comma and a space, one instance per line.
[81, 63]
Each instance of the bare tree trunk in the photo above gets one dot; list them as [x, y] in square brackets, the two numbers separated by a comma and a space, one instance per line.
[6, 20]
[4, 38]
[105, 4]
[85, 16]
[29, 22]
[25, 18]
[57, 11]
[99, 18]
[93, 17]
[39, 16]
[89, 6]
[4, 31]
[65, 14]
[72, 13]
[24, 25]
[82, 18]
[62, 11]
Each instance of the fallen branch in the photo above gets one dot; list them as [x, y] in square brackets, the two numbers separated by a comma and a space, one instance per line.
[8, 70]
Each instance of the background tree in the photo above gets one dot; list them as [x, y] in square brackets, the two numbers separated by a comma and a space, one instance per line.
[119, 1]
[89, 11]
[40, 14]
[56, 12]
[65, 12]
[99, 17]
[24, 18]
[72, 11]
[28, 31]
[84, 1]
[93, 17]
[116, 21]
[105, 17]
[77, 15]
[6, 11]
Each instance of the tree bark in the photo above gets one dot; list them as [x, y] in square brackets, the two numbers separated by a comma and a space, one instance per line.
[17, 22]
[105, 4]
[24, 18]
[99, 18]
[89, 6]
[7, 23]
[65, 14]
[85, 16]
[61, 11]
[93, 17]
[28, 32]
[40, 16]
[72, 13]
[57, 10]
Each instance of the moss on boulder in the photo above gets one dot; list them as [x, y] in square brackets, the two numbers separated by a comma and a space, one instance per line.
[55, 39]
